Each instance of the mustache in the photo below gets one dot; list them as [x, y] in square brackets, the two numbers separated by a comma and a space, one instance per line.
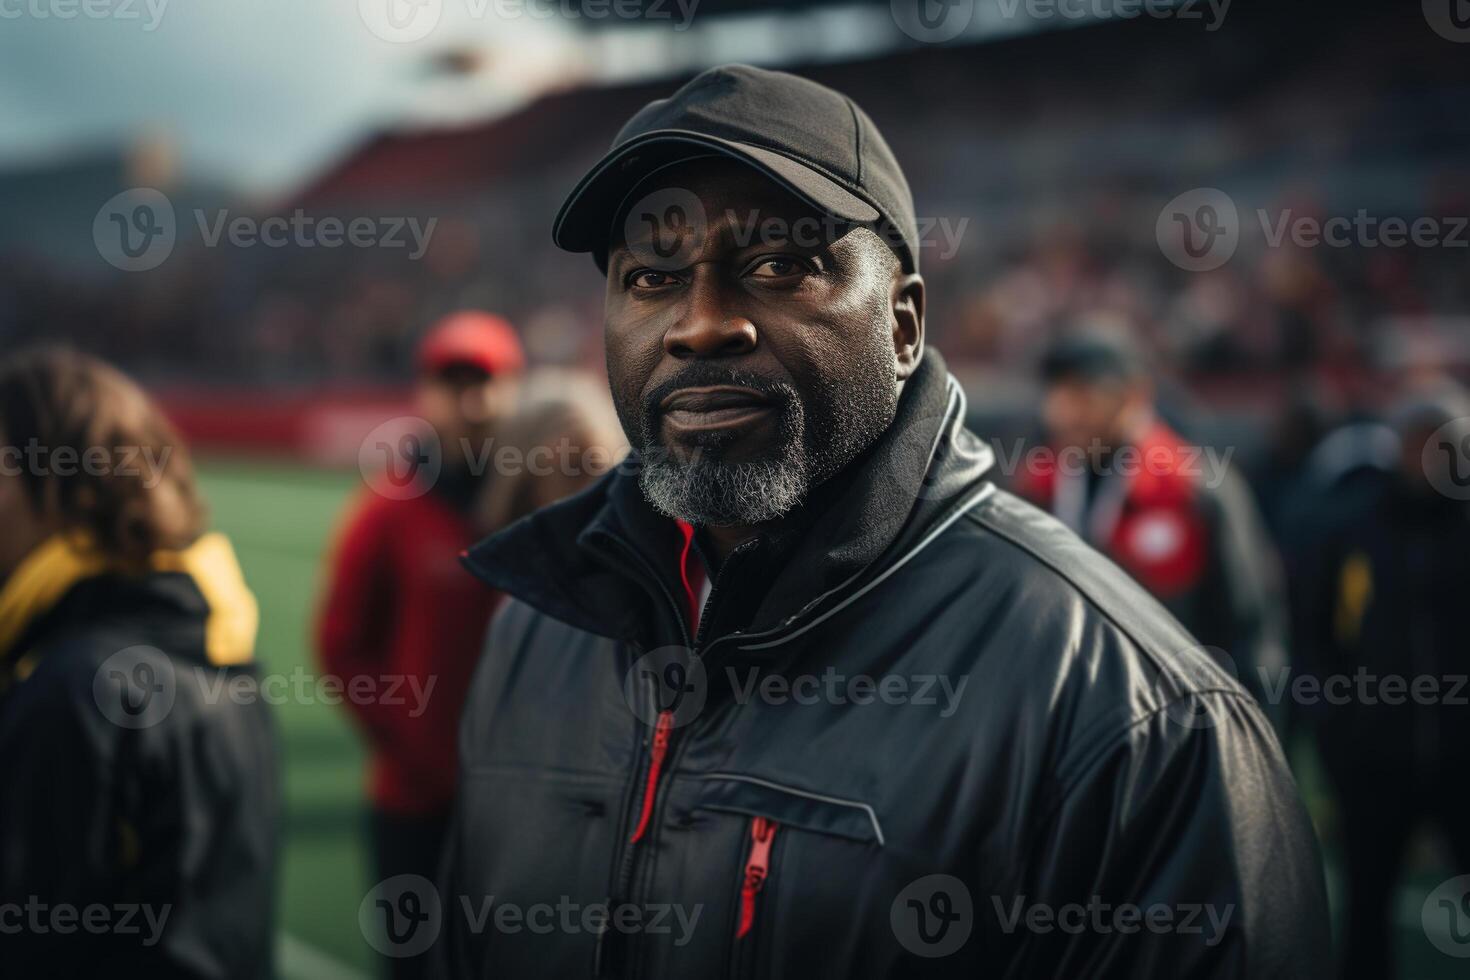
[703, 374]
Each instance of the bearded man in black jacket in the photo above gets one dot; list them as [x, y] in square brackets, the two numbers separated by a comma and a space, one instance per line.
[798, 692]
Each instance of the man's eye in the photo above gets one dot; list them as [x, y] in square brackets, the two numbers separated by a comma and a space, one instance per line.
[777, 267]
[650, 279]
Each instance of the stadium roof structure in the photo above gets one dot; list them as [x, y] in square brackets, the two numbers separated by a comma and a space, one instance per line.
[1063, 76]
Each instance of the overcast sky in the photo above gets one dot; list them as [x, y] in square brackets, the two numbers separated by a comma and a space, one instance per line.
[260, 93]
[254, 92]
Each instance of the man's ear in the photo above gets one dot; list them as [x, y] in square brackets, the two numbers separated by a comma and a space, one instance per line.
[908, 323]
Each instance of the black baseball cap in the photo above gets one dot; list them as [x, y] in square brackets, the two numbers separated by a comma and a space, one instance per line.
[806, 137]
[1093, 352]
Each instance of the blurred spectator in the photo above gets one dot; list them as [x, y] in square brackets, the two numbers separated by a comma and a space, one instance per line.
[127, 779]
[398, 609]
[564, 434]
[1174, 516]
[1384, 587]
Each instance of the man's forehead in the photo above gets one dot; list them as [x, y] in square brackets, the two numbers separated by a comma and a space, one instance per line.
[720, 197]
[723, 180]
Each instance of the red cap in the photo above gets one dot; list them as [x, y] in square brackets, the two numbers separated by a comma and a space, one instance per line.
[471, 337]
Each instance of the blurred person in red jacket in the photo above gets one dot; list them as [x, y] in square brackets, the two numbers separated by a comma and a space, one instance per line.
[400, 618]
[1172, 514]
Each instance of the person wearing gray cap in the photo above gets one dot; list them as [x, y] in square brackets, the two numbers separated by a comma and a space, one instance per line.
[799, 692]
[1381, 639]
[1174, 515]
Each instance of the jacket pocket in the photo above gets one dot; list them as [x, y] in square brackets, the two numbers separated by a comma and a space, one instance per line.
[777, 818]
[757, 869]
[790, 806]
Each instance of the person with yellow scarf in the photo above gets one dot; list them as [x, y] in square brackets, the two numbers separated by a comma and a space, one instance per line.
[139, 797]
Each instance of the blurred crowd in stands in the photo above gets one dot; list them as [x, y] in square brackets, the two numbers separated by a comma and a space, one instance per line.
[1042, 188]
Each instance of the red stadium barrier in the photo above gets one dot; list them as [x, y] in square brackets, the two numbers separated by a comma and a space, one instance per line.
[322, 427]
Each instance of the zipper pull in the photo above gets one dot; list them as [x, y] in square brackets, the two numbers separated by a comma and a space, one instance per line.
[655, 765]
[757, 867]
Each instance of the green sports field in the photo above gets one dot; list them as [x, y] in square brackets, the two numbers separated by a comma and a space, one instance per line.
[280, 518]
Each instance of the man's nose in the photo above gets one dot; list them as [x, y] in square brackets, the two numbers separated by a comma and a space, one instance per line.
[710, 326]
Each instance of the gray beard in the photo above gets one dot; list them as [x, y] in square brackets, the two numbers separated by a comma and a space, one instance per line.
[815, 441]
[712, 492]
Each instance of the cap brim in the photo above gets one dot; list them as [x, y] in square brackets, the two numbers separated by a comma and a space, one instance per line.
[584, 223]
[442, 360]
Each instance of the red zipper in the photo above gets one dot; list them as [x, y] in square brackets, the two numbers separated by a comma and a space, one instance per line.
[655, 766]
[666, 718]
[757, 867]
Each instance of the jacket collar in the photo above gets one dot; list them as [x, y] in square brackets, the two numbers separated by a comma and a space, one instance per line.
[66, 580]
[606, 562]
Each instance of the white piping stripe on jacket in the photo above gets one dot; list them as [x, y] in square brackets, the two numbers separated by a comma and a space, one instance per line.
[980, 496]
[877, 829]
[956, 393]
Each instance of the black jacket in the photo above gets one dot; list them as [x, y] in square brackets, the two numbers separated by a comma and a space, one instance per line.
[1383, 667]
[1092, 759]
[138, 786]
